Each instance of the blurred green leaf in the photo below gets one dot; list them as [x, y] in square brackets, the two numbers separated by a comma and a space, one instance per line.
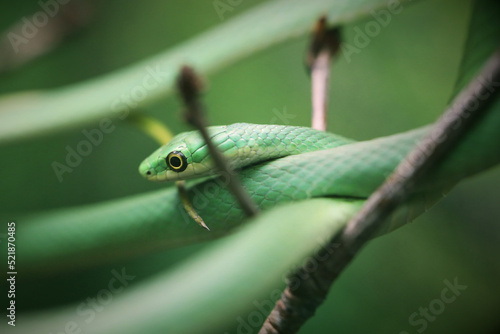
[30, 114]
[193, 298]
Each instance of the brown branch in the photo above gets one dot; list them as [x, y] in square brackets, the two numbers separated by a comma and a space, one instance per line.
[324, 45]
[189, 86]
[297, 305]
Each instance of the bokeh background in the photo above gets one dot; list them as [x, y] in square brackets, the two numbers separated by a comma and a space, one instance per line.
[403, 79]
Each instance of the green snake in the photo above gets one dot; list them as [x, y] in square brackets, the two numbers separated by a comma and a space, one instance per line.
[276, 164]
[186, 156]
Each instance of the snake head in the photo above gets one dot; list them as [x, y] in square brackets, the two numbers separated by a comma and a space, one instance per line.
[184, 157]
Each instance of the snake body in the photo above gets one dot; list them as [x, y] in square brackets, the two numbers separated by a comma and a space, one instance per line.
[109, 230]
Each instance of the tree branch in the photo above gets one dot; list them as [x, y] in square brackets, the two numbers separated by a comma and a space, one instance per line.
[324, 45]
[297, 305]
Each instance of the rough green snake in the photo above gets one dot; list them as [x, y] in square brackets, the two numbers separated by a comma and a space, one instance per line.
[186, 156]
[105, 231]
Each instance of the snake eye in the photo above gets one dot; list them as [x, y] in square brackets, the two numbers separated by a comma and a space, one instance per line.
[177, 161]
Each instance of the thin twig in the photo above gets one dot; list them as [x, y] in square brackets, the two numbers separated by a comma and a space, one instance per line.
[324, 45]
[189, 86]
[299, 304]
[188, 206]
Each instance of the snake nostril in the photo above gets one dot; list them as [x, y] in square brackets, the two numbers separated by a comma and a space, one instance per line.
[148, 172]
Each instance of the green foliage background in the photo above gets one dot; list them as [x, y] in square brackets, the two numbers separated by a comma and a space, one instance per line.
[401, 80]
